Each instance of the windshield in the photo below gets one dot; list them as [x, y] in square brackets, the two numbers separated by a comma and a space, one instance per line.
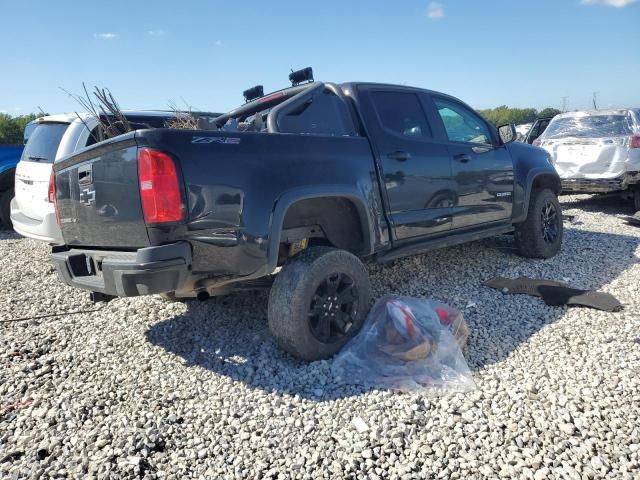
[590, 126]
[43, 143]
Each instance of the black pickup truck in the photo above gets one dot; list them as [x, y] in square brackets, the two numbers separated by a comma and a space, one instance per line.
[299, 187]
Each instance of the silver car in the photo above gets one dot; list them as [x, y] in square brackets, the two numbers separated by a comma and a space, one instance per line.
[596, 151]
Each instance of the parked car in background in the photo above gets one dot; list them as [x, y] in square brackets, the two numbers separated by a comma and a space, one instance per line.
[596, 151]
[310, 180]
[9, 157]
[537, 129]
[54, 137]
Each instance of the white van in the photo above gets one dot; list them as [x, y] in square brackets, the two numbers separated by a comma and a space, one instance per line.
[55, 137]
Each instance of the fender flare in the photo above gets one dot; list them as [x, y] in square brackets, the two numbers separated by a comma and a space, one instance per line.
[532, 175]
[289, 198]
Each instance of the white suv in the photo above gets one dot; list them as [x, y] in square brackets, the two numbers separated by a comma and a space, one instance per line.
[55, 137]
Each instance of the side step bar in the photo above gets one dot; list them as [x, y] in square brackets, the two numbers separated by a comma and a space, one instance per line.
[445, 241]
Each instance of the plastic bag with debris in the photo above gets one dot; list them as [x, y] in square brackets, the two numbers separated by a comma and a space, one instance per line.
[408, 344]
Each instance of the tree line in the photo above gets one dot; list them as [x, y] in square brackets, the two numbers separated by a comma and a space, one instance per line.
[12, 128]
[502, 115]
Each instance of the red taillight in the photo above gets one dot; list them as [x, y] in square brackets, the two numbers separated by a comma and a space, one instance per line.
[52, 187]
[51, 194]
[634, 141]
[159, 187]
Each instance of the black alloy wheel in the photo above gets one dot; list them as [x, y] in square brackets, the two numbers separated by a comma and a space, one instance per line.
[334, 308]
[550, 223]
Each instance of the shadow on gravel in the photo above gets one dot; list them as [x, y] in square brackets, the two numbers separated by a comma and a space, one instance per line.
[8, 234]
[612, 204]
[8, 237]
[229, 335]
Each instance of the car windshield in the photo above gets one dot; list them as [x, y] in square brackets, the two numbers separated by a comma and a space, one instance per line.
[43, 142]
[590, 126]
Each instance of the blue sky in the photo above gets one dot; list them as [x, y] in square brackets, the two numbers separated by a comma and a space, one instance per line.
[486, 52]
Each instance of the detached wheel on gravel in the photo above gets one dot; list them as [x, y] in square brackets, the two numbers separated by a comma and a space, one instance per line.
[540, 235]
[318, 301]
[5, 208]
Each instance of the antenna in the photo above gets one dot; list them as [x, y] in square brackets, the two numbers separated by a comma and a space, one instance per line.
[564, 103]
[595, 100]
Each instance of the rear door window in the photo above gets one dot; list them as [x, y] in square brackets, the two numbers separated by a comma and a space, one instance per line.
[401, 113]
[43, 143]
[326, 114]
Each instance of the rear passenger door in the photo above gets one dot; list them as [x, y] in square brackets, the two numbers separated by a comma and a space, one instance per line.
[415, 170]
[481, 166]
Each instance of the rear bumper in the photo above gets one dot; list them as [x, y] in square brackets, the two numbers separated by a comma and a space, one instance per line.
[45, 230]
[600, 185]
[125, 274]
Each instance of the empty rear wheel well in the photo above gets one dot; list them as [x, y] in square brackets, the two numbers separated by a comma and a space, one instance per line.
[333, 221]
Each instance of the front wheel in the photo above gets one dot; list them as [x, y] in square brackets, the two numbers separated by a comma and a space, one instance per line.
[318, 301]
[540, 235]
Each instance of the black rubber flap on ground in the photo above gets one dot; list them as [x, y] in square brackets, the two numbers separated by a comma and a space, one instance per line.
[556, 293]
[634, 219]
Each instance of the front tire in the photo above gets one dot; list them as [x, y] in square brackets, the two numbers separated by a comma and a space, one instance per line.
[318, 302]
[5, 208]
[636, 197]
[540, 235]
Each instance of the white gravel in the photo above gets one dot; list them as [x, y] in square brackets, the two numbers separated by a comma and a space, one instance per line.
[149, 389]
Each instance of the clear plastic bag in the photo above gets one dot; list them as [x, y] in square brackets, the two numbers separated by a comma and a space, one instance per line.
[408, 344]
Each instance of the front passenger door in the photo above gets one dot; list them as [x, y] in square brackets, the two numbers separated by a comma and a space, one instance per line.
[481, 165]
[415, 169]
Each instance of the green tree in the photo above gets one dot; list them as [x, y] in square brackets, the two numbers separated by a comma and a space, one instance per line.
[503, 114]
[549, 112]
[12, 128]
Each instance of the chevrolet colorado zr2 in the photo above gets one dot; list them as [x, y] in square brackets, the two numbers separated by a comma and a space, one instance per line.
[301, 185]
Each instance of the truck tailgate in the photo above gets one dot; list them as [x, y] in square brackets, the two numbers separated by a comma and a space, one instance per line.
[98, 197]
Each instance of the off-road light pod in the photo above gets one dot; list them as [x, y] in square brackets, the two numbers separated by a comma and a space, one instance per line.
[299, 76]
[159, 187]
[253, 93]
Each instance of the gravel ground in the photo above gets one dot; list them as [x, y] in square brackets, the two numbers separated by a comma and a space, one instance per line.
[146, 388]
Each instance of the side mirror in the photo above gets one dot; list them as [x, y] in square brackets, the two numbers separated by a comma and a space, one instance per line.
[507, 133]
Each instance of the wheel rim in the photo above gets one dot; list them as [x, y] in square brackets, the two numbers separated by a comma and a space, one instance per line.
[333, 308]
[550, 223]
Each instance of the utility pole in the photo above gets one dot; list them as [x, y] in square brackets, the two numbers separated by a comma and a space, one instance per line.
[595, 100]
[564, 104]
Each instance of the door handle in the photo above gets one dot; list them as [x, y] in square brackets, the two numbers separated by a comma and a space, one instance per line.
[85, 174]
[399, 156]
[463, 158]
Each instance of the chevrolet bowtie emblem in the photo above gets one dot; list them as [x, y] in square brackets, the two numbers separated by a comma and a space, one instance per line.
[87, 196]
